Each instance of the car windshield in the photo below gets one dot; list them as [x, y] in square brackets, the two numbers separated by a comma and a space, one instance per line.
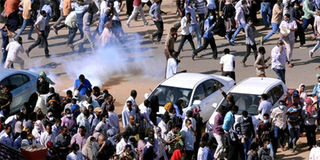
[171, 94]
[245, 102]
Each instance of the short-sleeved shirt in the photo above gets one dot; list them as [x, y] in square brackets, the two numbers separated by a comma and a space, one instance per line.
[13, 49]
[41, 23]
[189, 138]
[289, 25]
[265, 107]
[102, 128]
[227, 61]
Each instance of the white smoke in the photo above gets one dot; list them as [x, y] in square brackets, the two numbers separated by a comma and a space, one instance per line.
[129, 58]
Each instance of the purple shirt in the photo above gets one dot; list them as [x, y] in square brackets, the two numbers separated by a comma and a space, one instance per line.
[81, 141]
[218, 122]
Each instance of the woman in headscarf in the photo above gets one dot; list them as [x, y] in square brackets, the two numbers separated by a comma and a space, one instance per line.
[43, 83]
[310, 117]
[90, 149]
[38, 129]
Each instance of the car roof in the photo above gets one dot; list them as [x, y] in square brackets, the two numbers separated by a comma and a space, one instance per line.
[186, 80]
[255, 85]
[7, 72]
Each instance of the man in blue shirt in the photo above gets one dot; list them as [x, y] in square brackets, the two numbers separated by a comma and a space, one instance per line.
[229, 119]
[188, 135]
[82, 85]
[155, 13]
[208, 37]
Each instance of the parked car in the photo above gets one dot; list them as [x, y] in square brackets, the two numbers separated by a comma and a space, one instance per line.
[192, 88]
[247, 96]
[22, 85]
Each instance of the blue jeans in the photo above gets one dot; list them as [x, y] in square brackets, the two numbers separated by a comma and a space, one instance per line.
[237, 31]
[306, 22]
[72, 34]
[279, 136]
[294, 134]
[194, 28]
[246, 147]
[281, 74]
[275, 28]
[80, 24]
[266, 13]
[24, 25]
[316, 47]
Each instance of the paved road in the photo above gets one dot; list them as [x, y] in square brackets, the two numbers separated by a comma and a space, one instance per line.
[140, 65]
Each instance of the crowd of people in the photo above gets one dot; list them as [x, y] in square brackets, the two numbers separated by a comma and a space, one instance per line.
[83, 124]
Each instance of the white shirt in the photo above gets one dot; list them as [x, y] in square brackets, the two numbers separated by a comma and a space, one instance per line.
[45, 137]
[317, 23]
[120, 146]
[314, 153]
[172, 67]
[13, 49]
[103, 7]
[278, 60]
[6, 139]
[73, 156]
[185, 26]
[211, 4]
[125, 116]
[163, 127]
[200, 153]
[71, 20]
[116, 6]
[227, 61]
[102, 128]
[240, 16]
[265, 107]
[288, 26]
[41, 23]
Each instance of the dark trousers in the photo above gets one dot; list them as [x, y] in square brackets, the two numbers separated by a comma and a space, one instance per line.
[129, 4]
[281, 74]
[279, 137]
[189, 155]
[149, 4]
[80, 24]
[41, 38]
[5, 42]
[158, 34]
[311, 134]
[300, 34]
[206, 42]
[183, 39]
[229, 74]
[254, 49]
[72, 34]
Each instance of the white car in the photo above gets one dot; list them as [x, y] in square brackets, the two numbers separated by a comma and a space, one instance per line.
[247, 96]
[22, 85]
[192, 88]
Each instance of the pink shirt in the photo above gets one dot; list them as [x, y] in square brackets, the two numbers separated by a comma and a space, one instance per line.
[81, 141]
[69, 123]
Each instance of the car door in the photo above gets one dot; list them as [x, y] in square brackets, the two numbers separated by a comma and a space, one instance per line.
[199, 94]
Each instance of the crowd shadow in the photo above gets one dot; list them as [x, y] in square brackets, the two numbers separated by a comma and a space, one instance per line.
[51, 65]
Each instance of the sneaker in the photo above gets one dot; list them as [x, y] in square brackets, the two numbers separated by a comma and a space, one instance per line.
[301, 46]
[30, 38]
[261, 40]
[193, 55]
[310, 54]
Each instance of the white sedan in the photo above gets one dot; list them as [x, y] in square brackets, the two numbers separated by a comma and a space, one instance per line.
[22, 85]
[193, 88]
[247, 96]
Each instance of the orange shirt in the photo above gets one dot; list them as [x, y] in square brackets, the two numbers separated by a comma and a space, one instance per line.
[10, 6]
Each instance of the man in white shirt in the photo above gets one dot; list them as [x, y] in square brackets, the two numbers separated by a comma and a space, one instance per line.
[40, 28]
[240, 20]
[127, 111]
[279, 59]
[315, 152]
[13, 49]
[75, 154]
[228, 64]
[185, 33]
[5, 137]
[46, 136]
[288, 25]
[316, 27]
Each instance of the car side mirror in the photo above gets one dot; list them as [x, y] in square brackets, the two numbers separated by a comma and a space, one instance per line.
[214, 105]
[196, 102]
[146, 95]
